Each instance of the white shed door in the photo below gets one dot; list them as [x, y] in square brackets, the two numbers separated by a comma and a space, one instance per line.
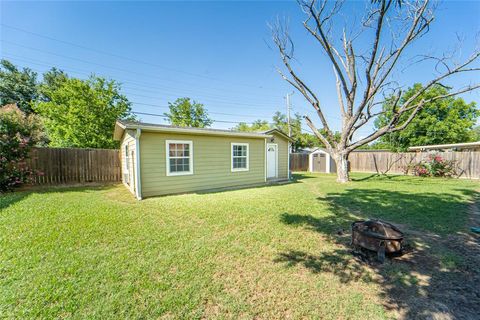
[272, 161]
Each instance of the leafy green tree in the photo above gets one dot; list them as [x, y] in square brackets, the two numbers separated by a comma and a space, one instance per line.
[81, 113]
[306, 140]
[448, 120]
[17, 86]
[302, 139]
[52, 79]
[257, 125]
[476, 132]
[187, 113]
[279, 121]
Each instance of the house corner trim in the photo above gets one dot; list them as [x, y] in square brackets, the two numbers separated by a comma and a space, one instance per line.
[138, 178]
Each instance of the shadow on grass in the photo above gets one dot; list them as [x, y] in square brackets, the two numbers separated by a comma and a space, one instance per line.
[437, 276]
[335, 262]
[298, 176]
[439, 213]
[9, 198]
[268, 184]
[379, 176]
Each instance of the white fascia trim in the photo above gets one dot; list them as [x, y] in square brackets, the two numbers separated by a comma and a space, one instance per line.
[138, 189]
[231, 157]
[200, 132]
[167, 155]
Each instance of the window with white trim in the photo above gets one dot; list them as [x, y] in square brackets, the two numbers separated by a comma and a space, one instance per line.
[179, 157]
[239, 157]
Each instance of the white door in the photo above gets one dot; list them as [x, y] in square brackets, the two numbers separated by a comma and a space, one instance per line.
[272, 160]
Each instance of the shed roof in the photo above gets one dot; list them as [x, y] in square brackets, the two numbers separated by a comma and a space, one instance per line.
[121, 126]
[279, 132]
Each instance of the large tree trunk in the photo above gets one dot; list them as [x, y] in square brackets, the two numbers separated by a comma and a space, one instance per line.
[341, 160]
[362, 99]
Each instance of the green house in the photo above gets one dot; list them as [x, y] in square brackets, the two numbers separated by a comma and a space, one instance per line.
[162, 159]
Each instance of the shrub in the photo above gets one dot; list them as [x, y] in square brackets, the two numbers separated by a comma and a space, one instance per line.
[421, 169]
[435, 166]
[18, 133]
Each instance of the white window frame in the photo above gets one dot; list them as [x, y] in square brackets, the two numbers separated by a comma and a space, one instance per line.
[167, 155]
[231, 157]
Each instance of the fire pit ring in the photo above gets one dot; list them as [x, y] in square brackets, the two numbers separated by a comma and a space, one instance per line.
[377, 235]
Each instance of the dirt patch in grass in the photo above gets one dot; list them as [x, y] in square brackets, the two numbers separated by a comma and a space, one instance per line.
[437, 278]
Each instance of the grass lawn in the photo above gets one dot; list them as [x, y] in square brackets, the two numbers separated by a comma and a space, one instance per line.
[269, 252]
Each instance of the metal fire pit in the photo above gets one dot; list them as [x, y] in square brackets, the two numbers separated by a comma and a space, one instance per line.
[377, 235]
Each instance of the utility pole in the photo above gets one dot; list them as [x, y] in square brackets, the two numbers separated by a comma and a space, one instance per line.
[287, 98]
[288, 113]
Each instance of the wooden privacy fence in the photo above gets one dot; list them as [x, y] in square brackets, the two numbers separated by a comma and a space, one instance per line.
[72, 165]
[468, 162]
[299, 162]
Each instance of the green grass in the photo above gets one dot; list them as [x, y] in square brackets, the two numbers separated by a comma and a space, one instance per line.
[269, 252]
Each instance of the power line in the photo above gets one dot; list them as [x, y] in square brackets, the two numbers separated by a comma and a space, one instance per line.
[305, 109]
[126, 58]
[218, 113]
[244, 105]
[166, 107]
[213, 98]
[308, 130]
[125, 70]
[217, 101]
[214, 120]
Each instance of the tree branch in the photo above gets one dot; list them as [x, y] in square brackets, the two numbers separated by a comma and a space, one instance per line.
[392, 125]
[318, 134]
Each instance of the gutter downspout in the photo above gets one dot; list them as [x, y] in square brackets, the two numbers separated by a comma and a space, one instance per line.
[289, 149]
[138, 182]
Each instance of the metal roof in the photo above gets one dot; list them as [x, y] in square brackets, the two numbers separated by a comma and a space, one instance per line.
[122, 125]
[447, 146]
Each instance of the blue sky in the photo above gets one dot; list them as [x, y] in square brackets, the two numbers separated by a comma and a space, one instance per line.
[218, 53]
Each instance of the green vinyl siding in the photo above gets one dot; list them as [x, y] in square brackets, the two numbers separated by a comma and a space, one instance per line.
[282, 155]
[211, 164]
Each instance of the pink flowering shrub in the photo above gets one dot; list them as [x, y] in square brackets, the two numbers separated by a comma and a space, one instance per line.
[421, 170]
[17, 136]
[435, 166]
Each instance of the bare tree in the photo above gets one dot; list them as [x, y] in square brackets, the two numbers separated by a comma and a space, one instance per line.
[364, 77]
